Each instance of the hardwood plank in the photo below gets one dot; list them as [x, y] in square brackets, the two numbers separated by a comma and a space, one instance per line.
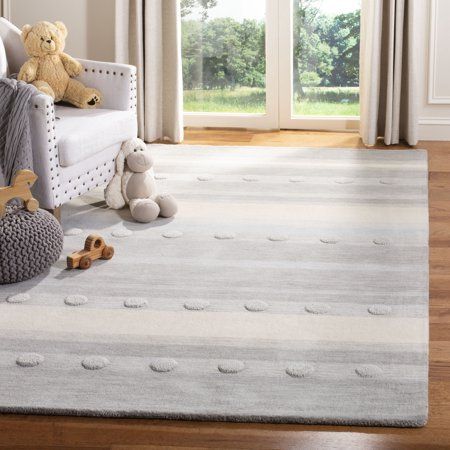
[46, 432]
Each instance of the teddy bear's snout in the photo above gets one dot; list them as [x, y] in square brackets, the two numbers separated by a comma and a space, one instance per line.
[48, 44]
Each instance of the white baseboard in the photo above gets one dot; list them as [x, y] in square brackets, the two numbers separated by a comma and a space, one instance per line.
[434, 129]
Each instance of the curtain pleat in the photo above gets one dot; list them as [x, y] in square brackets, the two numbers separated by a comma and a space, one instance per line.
[4, 12]
[148, 35]
[388, 72]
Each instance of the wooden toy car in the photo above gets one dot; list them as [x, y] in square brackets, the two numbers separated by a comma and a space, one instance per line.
[20, 188]
[94, 248]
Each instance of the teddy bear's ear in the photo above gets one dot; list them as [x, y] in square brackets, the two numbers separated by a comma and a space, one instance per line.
[62, 28]
[25, 30]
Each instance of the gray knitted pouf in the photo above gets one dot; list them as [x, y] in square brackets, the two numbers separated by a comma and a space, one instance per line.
[29, 243]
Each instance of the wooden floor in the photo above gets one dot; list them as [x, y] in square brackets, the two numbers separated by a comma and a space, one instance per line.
[34, 432]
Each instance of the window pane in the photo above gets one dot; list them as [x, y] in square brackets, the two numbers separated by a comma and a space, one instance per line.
[326, 57]
[224, 60]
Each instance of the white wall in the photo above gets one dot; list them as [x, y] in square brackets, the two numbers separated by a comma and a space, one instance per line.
[434, 61]
[90, 23]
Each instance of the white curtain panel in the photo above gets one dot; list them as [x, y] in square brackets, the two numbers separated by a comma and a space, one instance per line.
[388, 71]
[4, 8]
[148, 35]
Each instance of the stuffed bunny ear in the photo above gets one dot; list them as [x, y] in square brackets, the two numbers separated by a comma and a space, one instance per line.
[113, 193]
[120, 163]
[140, 143]
[62, 29]
[25, 31]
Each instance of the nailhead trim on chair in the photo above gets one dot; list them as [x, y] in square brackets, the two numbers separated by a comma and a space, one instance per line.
[49, 109]
[133, 85]
[78, 185]
[133, 91]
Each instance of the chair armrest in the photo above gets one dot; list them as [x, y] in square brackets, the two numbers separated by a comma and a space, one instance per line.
[45, 151]
[117, 83]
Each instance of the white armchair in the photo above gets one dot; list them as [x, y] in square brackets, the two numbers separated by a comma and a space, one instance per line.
[74, 149]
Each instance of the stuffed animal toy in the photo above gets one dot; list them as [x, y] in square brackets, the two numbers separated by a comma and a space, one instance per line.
[51, 70]
[134, 184]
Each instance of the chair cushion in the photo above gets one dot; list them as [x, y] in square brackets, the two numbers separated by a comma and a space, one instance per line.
[81, 133]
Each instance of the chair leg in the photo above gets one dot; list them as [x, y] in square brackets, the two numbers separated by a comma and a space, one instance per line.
[56, 212]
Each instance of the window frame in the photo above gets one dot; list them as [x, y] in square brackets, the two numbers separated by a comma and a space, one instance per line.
[279, 86]
[264, 121]
[287, 119]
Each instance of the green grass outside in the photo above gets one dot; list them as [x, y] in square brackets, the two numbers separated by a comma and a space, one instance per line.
[244, 99]
[325, 109]
[252, 100]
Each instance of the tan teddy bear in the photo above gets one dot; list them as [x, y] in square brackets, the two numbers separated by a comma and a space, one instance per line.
[51, 70]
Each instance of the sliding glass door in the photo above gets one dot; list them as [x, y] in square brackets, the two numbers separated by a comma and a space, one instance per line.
[319, 64]
[229, 69]
[271, 63]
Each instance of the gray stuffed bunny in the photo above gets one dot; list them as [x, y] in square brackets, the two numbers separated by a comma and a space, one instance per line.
[134, 184]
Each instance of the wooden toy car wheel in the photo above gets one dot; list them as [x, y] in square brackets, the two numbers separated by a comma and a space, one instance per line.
[85, 262]
[32, 205]
[108, 252]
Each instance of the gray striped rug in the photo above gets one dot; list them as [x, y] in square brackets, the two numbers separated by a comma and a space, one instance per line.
[291, 287]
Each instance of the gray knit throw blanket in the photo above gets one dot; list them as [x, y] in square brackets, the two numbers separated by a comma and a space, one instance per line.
[15, 139]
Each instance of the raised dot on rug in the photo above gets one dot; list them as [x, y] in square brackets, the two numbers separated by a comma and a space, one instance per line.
[231, 366]
[29, 360]
[317, 308]
[379, 310]
[329, 240]
[163, 365]
[75, 300]
[299, 370]
[135, 303]
[368, 371]
[225, 236]
[256, 306]
[121, 233]
[173, 234]
[95, 362]
[277, 237]
[205, 177]
[381, 242]
[344, 181]
[18, 298]
[387, 181]
[196, 305]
